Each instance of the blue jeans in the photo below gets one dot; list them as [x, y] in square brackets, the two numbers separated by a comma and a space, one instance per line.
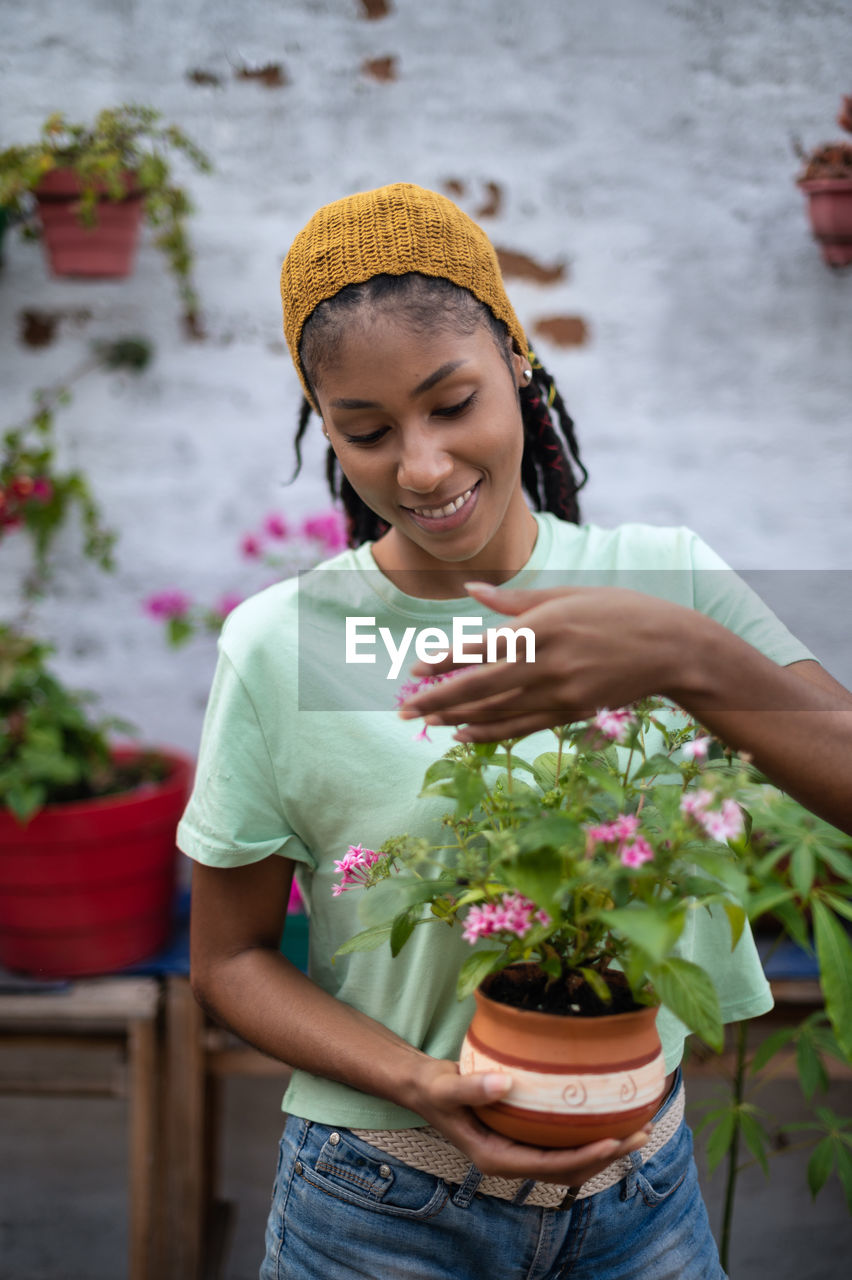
[342, 1209]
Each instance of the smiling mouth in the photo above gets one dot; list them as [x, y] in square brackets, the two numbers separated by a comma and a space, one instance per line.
[449, 508]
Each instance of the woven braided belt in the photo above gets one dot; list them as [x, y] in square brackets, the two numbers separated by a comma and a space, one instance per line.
[429, 1151]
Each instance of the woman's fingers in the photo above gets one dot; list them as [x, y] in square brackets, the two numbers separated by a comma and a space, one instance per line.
[450, 1097]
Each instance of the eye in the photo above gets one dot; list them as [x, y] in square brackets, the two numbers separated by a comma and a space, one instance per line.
[456, 410]
[372, 437]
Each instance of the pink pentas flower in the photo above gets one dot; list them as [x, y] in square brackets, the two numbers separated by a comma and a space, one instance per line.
[354, 867]
[512, 914]
[42, 489]
[614, 724]
[696, 749]
[725, 823]
[635, 852]
[621, 828]
[694, 803]
[168, 604]
[275, 526]
[328, 529]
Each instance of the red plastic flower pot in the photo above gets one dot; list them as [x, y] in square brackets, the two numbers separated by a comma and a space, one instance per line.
[107, 249]
[88, 887]
[830, 211]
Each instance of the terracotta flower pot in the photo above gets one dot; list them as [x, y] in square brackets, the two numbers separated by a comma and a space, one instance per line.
[88, 887]
[830, 212]
[107, 249]
[576, 1079]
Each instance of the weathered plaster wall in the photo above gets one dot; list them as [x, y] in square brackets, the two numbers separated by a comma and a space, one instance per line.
[647, 147]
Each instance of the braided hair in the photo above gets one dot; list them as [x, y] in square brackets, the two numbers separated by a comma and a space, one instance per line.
[550, 464]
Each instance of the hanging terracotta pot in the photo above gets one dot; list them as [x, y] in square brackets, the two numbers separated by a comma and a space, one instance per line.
[830, 212]
[105, 250]
[576, 1079]
[88, 887]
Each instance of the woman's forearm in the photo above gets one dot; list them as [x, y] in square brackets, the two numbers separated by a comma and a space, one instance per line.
[796, 721]
[267, 1001]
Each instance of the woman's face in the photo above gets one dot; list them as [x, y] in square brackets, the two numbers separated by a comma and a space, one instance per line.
[427, 429]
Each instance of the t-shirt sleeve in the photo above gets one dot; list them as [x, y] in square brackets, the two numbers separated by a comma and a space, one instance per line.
[722, 594]
[235, 816]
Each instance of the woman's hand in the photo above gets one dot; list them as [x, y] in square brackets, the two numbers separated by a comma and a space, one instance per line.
[445, 1099]
[594, 647]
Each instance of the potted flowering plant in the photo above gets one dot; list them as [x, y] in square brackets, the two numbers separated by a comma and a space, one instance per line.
[826, 179]
[92, 185]
[574, 877]
[87, 848]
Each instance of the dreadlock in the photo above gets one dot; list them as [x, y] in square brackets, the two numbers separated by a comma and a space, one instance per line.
[551, 458]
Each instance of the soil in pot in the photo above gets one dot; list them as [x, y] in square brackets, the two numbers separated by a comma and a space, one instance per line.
[576, 1078]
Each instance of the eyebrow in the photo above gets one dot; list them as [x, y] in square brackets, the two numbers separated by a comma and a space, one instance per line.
[426, 385]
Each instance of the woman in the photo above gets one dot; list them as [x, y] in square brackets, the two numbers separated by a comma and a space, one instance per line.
[438, 419]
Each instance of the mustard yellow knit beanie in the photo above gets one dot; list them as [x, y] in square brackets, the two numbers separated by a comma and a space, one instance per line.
[390, 231]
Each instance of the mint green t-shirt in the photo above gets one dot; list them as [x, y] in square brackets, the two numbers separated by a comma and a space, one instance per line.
[303, 755]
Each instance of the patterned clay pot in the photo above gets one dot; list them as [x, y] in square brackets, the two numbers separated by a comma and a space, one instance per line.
[830, 212]
[576, 1079]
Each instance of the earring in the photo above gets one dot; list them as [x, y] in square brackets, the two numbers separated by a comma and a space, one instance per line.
[325, 433]
[527, 376]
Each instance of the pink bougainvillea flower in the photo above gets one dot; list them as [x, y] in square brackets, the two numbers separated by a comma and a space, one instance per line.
[614, 724]
[696, 749]
[251, 546]
[276, 526]
[168, 604]
[328, 529]
[634, 853]
[227, 605]
[353, 868]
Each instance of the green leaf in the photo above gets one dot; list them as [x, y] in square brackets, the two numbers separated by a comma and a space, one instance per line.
[820, 1166]
[475, 968]
[654, 766]
[839, 905]
[719, 1141]
[802, 870]
[755, 1137]
[724, 869]
[736, 919]
[367, 940]
[597, 984]
[768, 1048]
[401, 930]
[538, 876]
[689, 992]
[844, 1170]
[544, 768]
[653, 930]
[383, 902]
[812, 1073]
[834, 953]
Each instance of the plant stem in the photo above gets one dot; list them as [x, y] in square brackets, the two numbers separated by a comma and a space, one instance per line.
[734, 1149]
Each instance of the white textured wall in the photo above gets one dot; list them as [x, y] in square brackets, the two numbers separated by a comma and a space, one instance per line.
[645, 144]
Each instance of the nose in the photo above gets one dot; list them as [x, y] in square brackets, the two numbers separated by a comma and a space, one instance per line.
[423, 463]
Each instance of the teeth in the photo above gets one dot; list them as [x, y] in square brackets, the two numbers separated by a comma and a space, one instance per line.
[434, 513]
